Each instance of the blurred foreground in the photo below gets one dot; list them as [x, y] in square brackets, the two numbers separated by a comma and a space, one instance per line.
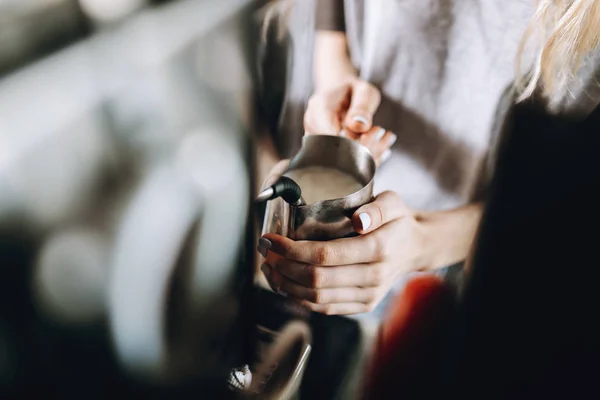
[125, 177]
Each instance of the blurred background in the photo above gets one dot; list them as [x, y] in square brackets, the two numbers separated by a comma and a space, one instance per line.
[126, 131]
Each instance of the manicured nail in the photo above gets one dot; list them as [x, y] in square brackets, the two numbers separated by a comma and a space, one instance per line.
[282, 292]
[386, 154]
[379, 134]
[365, 221]
[263, 246]
[265, 269]
[360, 119]
[343, 133]
[392, 139]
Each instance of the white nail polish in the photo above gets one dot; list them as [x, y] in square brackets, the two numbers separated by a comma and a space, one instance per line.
[361, 119]
[386, 154]
[365, 221]
[392, 140]
[343, 133]
[380, 133]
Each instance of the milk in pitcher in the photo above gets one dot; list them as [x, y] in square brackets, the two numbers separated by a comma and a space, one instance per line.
[323, 183]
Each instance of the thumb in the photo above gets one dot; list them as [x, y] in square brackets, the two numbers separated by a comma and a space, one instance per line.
[386, 207]
[363, 105]
[323, 112]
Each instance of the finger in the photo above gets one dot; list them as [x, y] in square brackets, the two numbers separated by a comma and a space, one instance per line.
[273, 278]
[363, 104]
[346, 251]
[371, 137]
[385, 155]
[378, 141]
[321, 122]
[378, 138]
[386, 207]
[275, 173]
[338, 308]
[381, 150]
[348, 134]
[327, 296]
[324, 110]
[311, 276]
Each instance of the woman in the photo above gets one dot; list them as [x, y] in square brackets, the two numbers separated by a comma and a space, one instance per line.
[432, 74]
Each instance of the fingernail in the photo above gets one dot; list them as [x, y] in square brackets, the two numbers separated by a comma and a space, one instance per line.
[365, 221]
[343, 133]
[360, 119]
[379, 134]
[392, 140]
[282, 292]
[386, 154]
[265, 269]
[263, 246]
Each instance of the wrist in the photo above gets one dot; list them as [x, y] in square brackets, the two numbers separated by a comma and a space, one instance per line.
[433, 247]
[332, 66]
[335, 78]
[447, 236]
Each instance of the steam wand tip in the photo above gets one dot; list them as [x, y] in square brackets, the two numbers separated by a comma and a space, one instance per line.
[286, 188]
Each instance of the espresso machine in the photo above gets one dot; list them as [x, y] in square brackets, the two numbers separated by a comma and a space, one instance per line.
[126, 176]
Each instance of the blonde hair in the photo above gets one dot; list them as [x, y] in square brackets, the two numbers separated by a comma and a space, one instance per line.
[561, 34]
[564, 32]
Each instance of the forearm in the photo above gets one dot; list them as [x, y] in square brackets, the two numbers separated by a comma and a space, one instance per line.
[449, 235]
[331, 66]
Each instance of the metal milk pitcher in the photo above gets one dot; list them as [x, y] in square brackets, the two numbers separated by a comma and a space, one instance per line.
[328, 219]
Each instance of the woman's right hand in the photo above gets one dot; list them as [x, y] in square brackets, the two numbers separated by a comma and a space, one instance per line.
[348, 110]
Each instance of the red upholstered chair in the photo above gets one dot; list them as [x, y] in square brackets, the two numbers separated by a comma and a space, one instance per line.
[409, 340]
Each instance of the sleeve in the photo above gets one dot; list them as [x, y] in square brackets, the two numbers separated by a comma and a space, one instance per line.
[330, 15]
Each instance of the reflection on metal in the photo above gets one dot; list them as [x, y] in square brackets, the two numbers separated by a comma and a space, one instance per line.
[279, 374]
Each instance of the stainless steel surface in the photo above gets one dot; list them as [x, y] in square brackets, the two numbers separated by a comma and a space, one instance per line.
[329, 219]
[268, 194]
[342, 347]
[280, 372]
[265, 195]
[300, 202]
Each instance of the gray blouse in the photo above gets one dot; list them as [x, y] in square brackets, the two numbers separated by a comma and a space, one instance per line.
[443, 68]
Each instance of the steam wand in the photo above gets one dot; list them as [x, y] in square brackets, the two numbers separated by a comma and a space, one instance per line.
[285, 188]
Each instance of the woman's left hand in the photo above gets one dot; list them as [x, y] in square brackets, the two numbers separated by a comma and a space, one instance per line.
[350, 275]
